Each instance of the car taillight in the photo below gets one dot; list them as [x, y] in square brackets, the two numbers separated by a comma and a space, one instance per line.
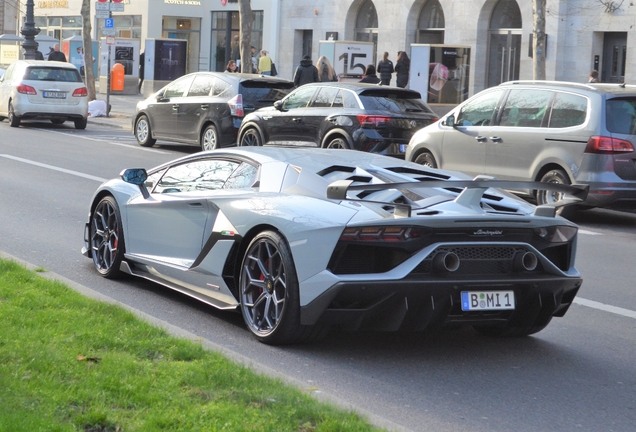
[372, 120]
[80, 92]
[380, 234]
[608, 145]
[25, 89]
[236, 105]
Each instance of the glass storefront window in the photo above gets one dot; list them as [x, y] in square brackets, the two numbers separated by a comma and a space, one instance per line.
[224, 38]
[72, 22]
[188, 29]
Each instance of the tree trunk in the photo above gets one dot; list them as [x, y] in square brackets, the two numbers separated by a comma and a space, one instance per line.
[88, 49]
[246, 17]
[538, 41]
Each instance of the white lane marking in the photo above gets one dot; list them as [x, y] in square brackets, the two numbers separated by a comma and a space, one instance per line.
[586, 232]
[605, 307]
[108, 142]
[54, 168]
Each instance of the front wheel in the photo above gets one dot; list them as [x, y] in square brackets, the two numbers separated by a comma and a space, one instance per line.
[251, 137]
[143, 132]
[107, 238]
[426, 159]
[14, 120]
[338, 143]
[209, 138]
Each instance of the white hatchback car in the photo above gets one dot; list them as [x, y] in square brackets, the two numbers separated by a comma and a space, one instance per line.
[36, 89]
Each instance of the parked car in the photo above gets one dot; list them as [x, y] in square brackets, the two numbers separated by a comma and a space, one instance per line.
[36, 89]
[365, 117]
[558, 132]
[304, 239]
[204, 108]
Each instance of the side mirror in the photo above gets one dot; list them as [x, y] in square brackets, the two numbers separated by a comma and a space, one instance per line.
[450, 121]
[279, 105]
[136, 176]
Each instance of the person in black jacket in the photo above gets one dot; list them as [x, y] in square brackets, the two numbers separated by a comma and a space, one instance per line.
[385, 69]
[306, 72]
[369, 76]
[402, 68]
[56, 54]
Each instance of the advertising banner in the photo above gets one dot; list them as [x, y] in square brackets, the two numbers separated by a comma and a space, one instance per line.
[170, 59]
[349, 58]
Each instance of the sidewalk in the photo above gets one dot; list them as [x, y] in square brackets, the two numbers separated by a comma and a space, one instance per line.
[122, 109]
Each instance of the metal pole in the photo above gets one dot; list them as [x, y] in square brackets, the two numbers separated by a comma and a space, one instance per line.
[29, 31]
[110, 15]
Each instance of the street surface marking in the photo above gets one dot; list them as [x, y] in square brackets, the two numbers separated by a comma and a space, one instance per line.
[108, 142]
[586, 232]
[54, 168]
[605, 307]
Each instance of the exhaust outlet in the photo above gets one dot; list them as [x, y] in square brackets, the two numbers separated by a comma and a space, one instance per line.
[525, 261]
[446, 262]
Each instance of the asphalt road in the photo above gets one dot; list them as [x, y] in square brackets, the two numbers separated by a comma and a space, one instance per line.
[578, 374]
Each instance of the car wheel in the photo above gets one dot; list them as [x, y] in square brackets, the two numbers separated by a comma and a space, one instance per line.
[106, 236]
[550, 197]
[251, 137]
[14, 120]
[143, 132]
[81, 124]
[510, 331]
[269, 293]
[426, 159]
[209, 138]
[57, 121]
[338, 143]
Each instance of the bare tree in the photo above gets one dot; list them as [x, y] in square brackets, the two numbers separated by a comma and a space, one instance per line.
[88, 49]
[247, 19]
[538, 40]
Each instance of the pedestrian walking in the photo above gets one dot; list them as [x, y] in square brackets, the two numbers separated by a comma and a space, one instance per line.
[385, 69]
[265, 64]
[56, 54]
[306, 72]
[370, 76]
[402, 68]
[142, 64]
[326, 72]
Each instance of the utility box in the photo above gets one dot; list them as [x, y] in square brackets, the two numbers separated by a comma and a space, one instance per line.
[348, 58]
[164, 61]
[126, 53]
[440, 72]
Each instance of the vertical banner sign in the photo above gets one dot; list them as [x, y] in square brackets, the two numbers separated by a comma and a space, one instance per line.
[170, 59]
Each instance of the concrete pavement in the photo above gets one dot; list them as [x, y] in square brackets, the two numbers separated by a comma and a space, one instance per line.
[122, 109]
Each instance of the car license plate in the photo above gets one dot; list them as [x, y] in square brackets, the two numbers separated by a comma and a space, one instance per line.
[488, 300]
[54, 95]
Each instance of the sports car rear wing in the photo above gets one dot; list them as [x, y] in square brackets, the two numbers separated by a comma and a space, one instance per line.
[472, 194]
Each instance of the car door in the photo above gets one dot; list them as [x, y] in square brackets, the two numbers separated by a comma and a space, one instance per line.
[321, 114]
[170, 225]
[286, 125]
[195, 108]
[464, 143]
[5, 89]
[165, 111]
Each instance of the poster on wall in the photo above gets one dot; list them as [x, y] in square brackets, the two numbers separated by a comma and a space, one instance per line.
[125, 52]
[349, 58]
[170, 59]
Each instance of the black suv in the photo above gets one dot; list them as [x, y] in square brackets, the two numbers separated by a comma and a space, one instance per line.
[371, 118]
[204, 108]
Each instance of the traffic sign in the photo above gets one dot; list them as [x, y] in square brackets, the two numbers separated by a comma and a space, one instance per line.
[102, 6]
[99, 14]
[110, 40]
[116, 1]
[109, 32]
[103, 1]
[116, 7]
[109, 23]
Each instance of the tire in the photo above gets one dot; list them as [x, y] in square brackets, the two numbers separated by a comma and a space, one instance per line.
[338, 143]
[81, 124]
[106, 238]
[269, 292]
[57, 121]
[550, 197]
[14, 120]
[426, 159]
[251, 137]
[143, 133]
[511, 331]
[209, 138]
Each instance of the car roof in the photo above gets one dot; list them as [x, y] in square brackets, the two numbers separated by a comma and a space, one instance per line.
[242, 76]
[614, 89]
[47, 63]
[361, 87]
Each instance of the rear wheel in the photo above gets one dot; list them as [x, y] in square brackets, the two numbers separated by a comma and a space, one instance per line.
[338, 143]
[81, 124]
[426, 159]
[209, 138]
[550, 197]
[14, 120]
[107, 238]
[251, 137]
[143, 132]
[57, 121]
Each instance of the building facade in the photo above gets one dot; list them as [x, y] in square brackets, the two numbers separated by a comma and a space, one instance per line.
[581, 34]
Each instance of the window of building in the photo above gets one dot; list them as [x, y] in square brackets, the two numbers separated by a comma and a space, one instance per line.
[59, 27]
[504, 53]
[188, 29]
[224, 38]
[367, 25]
[431, 24]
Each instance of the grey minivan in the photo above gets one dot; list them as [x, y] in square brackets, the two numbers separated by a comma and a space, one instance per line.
[560, 132]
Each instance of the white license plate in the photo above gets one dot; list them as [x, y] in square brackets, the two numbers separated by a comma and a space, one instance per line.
[54, 95]
[488, 300]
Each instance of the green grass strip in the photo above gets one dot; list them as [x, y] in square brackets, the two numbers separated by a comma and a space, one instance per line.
[70, 363]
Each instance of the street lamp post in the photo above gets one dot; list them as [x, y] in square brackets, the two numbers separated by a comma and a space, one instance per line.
[29, 31]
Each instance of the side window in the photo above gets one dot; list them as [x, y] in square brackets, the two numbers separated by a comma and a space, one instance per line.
[152, 179]
[350, 100]
[525, 108]
[338, 100]
[568, 110]
[620, 116]
[325, 97]
[479, 112]
[299, 99]
[201, 86]
[208, 174]
[9, 72]
[243, 177]
[178, 88]
[220, 86]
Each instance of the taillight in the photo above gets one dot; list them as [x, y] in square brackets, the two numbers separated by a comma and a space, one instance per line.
[380, 234]
[80, 92]
[372, 120]
[608, 145]
[26, 89]
[236, 105]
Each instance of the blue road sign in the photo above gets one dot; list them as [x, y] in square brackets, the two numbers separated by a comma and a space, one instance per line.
[109, 23]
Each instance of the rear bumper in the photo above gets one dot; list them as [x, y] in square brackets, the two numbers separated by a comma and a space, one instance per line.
[369, 140]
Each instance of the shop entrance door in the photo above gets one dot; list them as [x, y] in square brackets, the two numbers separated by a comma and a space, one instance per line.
[614, 56]
[503, 57]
